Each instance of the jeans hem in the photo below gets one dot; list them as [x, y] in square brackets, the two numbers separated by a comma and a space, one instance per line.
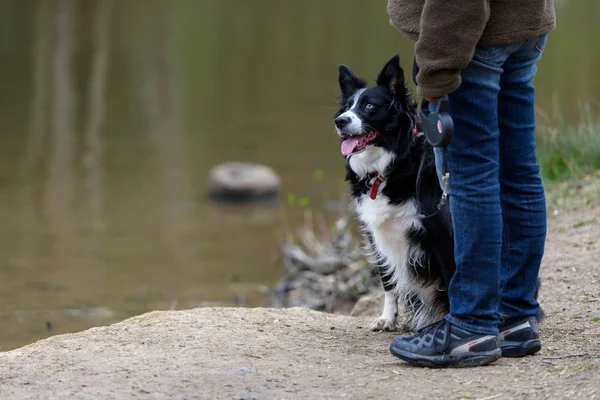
[504, 317]
[471, 328]
[514, 320]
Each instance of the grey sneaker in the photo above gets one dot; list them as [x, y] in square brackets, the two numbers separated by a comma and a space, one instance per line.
[443, 345]
[520, 338]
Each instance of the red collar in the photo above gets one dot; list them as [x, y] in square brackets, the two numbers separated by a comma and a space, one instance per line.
[375, 184]
[375, 180]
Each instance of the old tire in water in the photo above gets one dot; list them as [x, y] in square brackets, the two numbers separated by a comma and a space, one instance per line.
[243, 183]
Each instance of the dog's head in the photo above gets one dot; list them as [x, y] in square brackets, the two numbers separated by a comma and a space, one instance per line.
[374, 122]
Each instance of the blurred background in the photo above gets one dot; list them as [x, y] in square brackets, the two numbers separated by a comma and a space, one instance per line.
[113, 113]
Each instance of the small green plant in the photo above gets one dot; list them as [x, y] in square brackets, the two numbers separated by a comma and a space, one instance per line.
[582, 222]
[319, 174]
[595, 319]
[303, 202]
[291, 200]
[567, 150]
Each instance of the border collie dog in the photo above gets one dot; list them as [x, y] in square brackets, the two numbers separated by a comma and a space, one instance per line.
[409, 240]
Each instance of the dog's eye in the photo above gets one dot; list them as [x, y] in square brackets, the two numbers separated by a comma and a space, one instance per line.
[369, 106]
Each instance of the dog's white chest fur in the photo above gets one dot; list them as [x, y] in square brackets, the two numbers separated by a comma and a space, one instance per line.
[392, 251]
[388, 224]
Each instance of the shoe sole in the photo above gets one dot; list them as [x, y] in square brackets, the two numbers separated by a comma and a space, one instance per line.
[465, 360]
[520, 349]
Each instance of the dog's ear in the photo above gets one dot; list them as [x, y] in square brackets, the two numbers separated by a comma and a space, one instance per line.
[349, 82]
[392, 77]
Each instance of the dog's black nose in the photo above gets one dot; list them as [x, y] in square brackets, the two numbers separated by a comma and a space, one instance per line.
[341, 122]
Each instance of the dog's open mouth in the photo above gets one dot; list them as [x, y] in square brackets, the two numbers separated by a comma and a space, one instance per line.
[357, 143]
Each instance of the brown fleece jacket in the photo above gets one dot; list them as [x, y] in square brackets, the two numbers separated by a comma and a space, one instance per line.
[448, 31]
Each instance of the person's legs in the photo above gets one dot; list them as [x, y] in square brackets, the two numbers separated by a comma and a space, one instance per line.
[522, 201]
[473, 163]
[467, 336]
[474, 189]
[521, 189]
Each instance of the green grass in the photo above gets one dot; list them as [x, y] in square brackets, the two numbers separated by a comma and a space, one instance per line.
[567, 151]
[582, 222]
[573, 193]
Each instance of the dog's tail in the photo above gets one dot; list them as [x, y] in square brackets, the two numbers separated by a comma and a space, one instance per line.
[541, 314]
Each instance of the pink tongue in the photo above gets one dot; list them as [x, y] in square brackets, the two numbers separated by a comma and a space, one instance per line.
[348, 145]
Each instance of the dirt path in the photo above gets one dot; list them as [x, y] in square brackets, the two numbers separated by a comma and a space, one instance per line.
[232, 353]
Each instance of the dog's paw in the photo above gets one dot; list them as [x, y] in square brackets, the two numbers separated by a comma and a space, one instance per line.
[384, 324]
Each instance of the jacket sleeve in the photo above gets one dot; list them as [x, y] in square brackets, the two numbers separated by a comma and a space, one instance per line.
[449, 32]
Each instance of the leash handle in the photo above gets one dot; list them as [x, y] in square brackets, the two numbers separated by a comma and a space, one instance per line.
[437, 125]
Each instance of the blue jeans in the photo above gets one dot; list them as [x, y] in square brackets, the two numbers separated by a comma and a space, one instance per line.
[496, 194]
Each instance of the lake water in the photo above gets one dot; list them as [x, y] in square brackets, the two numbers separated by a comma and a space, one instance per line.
[113, 113]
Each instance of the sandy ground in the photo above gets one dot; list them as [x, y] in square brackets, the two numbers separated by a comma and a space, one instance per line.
[235, 353]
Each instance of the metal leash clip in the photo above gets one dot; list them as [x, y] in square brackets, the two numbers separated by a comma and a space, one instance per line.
[444, 198]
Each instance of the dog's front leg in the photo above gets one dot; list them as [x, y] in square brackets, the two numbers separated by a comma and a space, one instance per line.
[387, 320]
